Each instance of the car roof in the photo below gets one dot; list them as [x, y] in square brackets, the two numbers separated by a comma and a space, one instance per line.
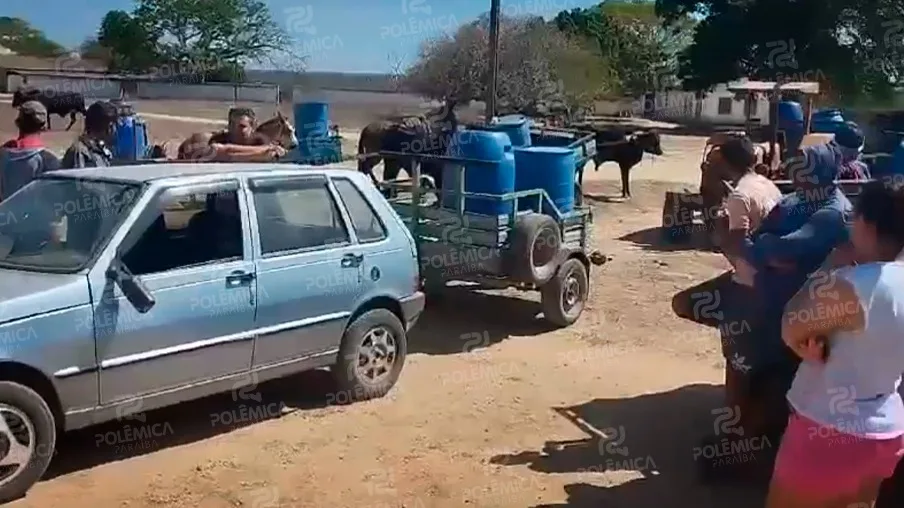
[144, 173]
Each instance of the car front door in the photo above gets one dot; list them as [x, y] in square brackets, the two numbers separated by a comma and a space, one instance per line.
[191, 250]
[308, 268]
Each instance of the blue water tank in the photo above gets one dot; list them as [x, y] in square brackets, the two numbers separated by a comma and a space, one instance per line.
[826, 120]
[897, 161]
[791, 123]
[130, 142]
[312, 119]
[495, 178]
[790, 113]
[517, 127]
[549, 168]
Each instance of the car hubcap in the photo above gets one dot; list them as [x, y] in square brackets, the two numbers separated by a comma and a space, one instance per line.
[17, 443]
[571, 292]
[377, 354]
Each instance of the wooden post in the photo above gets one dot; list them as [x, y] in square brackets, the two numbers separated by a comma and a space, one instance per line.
[808, 115]
[494, 62]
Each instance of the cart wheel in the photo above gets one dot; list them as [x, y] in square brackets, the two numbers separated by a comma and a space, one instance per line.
[578, 195]
[564, 296]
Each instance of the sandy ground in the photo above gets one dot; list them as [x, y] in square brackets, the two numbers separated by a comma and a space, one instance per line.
[479, 415]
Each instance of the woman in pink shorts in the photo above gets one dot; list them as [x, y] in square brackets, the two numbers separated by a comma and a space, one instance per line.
[846, 430]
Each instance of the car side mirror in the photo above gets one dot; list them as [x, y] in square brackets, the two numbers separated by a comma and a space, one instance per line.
[131, 286]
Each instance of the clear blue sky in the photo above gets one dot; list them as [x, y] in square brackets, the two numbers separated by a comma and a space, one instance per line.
[337, 35]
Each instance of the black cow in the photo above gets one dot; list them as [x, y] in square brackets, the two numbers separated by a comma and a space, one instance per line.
[57, 103]
[627, 150]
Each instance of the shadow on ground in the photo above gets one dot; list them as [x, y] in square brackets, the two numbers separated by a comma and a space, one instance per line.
[461, 321]
[658, 239]
[655, 435]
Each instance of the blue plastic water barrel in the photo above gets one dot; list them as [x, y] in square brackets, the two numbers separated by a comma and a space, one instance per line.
[517, 127]
[826, 120]
[549, 168]
[130, 138]
[790, 113]
[497, 178]
[897, 161]
[791, 122]
[312, 119]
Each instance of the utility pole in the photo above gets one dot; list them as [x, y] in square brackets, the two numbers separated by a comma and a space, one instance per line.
[494, 61]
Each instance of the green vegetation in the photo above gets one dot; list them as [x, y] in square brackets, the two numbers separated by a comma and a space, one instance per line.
[853, 47]
[20, 37]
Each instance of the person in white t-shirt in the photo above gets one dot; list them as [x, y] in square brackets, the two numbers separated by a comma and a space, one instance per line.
[846, 431]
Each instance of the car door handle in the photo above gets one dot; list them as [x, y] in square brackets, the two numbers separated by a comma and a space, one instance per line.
[352, 260]
[239, 278]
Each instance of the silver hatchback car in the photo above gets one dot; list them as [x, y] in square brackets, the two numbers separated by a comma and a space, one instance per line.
[157, 284]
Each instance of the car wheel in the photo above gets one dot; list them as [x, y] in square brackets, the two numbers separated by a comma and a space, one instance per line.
[563, 298]
[371, 355]
[27, 439]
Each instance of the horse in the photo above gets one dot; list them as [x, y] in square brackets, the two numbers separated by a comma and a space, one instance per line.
[428, 134]
[277, 130]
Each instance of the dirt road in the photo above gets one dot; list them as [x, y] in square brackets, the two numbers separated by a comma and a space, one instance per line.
[483, 414]
[493, 408]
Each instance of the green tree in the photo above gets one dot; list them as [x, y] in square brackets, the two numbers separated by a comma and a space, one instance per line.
[131, 48]
[538, 65]
[18, 36]
[210, 39]
[853, 47]
[238, 31]
[640, 52]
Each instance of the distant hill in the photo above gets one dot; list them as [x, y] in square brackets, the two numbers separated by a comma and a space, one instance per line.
[364, 82]
[18, 36]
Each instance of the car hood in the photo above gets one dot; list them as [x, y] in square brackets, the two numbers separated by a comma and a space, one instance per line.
[24, 294]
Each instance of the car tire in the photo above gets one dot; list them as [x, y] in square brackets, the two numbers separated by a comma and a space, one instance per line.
[563, 298]
[379, 337]
[535, 250]
[24, 411]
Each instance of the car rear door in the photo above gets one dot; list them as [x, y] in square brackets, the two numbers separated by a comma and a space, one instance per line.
[388, 264]
[308, 268]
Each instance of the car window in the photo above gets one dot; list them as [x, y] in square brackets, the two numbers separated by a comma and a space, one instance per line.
[60, 224]
[190, 230]
[297, 214]
[179, 211]
[367, 224]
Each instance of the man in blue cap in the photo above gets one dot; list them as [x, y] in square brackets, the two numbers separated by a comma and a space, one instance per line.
[849, 139]
[793, 241]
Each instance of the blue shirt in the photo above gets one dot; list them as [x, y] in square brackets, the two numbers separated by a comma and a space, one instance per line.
[802, 229]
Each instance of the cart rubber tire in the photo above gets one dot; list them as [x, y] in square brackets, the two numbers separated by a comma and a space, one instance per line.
[578, 195]
[571, 278]
[34, 407]
[535, 252]
[352, 387]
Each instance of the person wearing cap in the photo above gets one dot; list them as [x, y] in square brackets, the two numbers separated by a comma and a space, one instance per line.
[92, 148]
[24, 158]
[793, 241]
[849, 139]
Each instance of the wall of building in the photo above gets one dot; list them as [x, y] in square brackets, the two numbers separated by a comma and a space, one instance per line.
[94, 88]
[114, 88]
[207, 92]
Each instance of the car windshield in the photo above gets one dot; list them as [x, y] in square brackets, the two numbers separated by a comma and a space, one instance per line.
[59, 224]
